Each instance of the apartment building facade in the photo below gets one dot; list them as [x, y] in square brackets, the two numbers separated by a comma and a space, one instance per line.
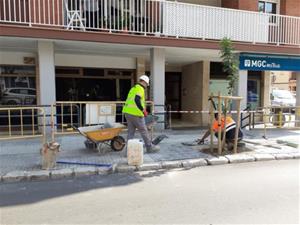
[94, 50]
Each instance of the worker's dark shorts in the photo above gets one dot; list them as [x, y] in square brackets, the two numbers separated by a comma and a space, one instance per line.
[230, 135]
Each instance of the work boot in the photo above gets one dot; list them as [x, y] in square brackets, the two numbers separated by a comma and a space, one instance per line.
[153, 148]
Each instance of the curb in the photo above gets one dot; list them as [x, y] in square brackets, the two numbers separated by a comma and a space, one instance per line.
[17, 176]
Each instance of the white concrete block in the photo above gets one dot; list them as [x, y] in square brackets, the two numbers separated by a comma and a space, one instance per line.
[281, 156]
[217, 160]
[104, 170]
[240, 158]
[61, 173]
[171, 164]
[263, 157]
[39, 175]
[125, 169]
[15, 176]
[149, 166]
[295, 155]
[82, 171]
[194, 163]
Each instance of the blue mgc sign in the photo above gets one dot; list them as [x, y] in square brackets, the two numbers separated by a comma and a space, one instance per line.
[260, 62]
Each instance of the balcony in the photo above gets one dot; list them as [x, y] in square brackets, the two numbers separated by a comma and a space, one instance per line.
[153, 18]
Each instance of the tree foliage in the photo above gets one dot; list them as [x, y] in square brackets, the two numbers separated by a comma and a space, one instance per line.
[230, 63]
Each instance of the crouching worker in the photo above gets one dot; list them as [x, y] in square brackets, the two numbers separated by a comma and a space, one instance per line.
[230, 131]
[135, 111]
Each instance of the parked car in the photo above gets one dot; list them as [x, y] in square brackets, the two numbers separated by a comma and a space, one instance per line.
[282, 98]
[18, 96]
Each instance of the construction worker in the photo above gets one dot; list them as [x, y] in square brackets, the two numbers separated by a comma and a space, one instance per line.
[230, 130]
[135, 111]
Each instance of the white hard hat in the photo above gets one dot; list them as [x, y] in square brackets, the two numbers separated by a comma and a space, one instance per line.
[145, 78]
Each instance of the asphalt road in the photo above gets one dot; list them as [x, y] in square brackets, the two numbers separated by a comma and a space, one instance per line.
[252, 193]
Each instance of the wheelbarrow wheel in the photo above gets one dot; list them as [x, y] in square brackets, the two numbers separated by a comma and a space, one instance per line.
[117, 143]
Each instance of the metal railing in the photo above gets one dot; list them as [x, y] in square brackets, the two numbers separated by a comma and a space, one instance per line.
[22, 123]
[68, 115]
[154, 17]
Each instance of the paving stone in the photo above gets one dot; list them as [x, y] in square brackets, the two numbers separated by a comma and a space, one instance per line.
[263, 157]
[86, 170]
[217, 160]
[125, 168]
[283, 156]
[39, 175]
[61, 173]
[15, 176]
[194, 163]
[149, 166]
[171, 164]
[240, 158]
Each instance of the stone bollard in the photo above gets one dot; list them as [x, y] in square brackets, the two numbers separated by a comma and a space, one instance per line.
[49, 153]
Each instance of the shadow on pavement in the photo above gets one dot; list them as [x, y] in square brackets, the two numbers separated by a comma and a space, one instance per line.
[12, 194]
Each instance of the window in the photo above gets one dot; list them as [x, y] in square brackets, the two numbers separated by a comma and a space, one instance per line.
[15, 91]
[267, 7]
[32, 92]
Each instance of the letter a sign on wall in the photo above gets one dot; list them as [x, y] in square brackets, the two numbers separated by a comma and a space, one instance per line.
[261, 62]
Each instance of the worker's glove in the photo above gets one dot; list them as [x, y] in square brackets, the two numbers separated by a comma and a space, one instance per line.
[145, 113]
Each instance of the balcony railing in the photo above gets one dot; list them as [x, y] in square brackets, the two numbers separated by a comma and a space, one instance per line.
[154, 17]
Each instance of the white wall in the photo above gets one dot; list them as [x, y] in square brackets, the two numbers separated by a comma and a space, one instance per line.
[94, 61]
[14, 58]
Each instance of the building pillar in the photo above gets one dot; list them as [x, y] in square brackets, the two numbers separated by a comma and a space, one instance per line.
[195, 91]
[140, 67]
[266, 89]
[46, 83]
[157, 83]
[242, 88]
[205, 92]
[297, 99]
[46, 79]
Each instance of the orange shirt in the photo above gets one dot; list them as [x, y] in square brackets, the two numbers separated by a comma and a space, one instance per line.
[229, 123]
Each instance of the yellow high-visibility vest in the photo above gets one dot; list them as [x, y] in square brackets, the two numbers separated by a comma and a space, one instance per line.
[130, 107]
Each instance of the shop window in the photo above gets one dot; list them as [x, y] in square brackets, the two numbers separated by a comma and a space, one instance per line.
[93, 72]
[125, 85]
[67, 71]
[17, 85]
[17, 70]
[253, 94]
[216, 71]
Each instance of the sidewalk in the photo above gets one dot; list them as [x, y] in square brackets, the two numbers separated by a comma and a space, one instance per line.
[20, 159]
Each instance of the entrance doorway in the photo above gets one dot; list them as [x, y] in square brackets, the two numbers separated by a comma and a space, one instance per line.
[173, 92]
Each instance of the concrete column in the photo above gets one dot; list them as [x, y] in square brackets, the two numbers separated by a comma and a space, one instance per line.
[266, 89]
[241, 88]
[205, 92]
[157, 69]
[298, 99]
[46, 79]
[140, 67]
[195, 91]
[46, 73]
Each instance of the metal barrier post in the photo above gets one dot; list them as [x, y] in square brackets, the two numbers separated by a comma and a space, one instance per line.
[237, 126]
[219, 125]
[225, 115]
[211, 111]
[280, 118]
[265, 125]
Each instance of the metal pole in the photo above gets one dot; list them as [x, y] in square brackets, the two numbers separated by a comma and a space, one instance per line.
[219, 125]
[236, 136]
